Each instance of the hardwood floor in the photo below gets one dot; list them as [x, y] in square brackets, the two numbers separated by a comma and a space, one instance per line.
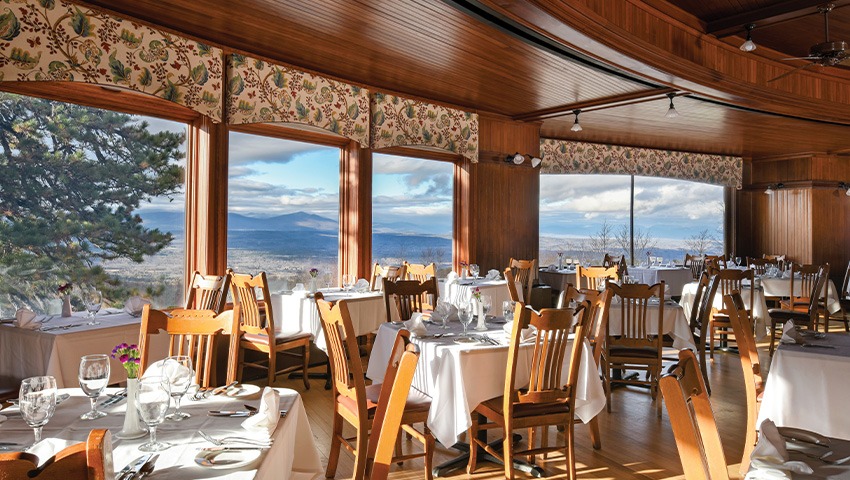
[636, 442]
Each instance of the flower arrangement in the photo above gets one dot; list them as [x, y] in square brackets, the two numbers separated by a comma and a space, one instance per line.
[129, 356]
[65, 289]
[314, 272]
[476, 294]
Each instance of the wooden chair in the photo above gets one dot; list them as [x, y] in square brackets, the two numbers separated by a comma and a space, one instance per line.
[634, 347]
[91, 460]
[696, 263]
[778, 260]
[750, 364]
[390, 272]
[192, 333]
[621, 264]
[759, 266]
[208, 292]
[692, 419]
[844, 300]
[717, 260]
[595, 277]
[545, 401]
[701, 311]
[728, 280]
[511, 281]
[420, 272]
[809, 318]
[356, 403]
[403, 298]
[808, 275]
[388, 414]
[525, 271]
[257, 329]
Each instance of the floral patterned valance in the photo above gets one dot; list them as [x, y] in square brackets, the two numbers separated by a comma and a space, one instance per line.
[561, 156]
[398, 121]
[43, 40]
[262, 92]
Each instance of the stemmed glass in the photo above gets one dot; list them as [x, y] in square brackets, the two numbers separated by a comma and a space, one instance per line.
[178, 378]
[152, 400]
[474, 271]
[508, 309]
[37, 401]
[94, 375]
[738, 261]
[93, 300]
[347, 282]
[464, 313]
[486, 304]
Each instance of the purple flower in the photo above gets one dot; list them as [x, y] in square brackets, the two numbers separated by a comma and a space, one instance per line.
[132, 347]
[136, 361]
[124, 358]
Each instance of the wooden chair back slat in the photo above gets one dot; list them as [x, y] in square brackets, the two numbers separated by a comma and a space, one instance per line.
[805, 284]
[343, 351]
[634, 315]
[419, 272]
[390, 272]
[732, 280]
[692, 419]
[255, 316]
[410, 296]
[524, 273]
[511, 281]
[208, 292]
[594, 277]
[696, 263]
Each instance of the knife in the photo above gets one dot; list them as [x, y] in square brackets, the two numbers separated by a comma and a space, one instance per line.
[133, 467]
[113, 399]
[230, 413]
[228, 448]
[146, 469]
[223, 388]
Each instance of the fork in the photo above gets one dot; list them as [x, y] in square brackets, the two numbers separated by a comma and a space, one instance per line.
[219, 442]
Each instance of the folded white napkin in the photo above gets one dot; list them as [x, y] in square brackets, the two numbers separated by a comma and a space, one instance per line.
[170, 370]
[770, 457]
[451, 278]
[790, 333]
[135, 304]
[268, 415]
[445, 311]
[552, 268]
[299, 287]
[361, 286]
[493, 275]
[526, 335]
[26, 318]
[415, 325]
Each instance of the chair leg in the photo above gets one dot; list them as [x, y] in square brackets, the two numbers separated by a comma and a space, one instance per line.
[305, 366]
[711, 342]
[508, 451]
[240, 365]
[472, 435]
[595, 437]
[606, 374]
[772, 336]
[531, 435]
[569, 437]
[336, 443]
[361, 455]
[272, 367]
[430, 444]
[397, 452]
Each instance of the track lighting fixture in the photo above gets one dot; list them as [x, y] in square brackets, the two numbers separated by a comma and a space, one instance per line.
[518, 159]
[772, 188]
[749, 45]
[576, 126]
[535, 162]
[671, 112]
[846, 187]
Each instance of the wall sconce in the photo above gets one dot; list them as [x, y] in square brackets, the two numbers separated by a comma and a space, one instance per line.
[846, 187]
[771, 188]
[518, 159]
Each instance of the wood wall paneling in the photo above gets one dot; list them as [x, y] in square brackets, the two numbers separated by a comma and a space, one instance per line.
[355, 211]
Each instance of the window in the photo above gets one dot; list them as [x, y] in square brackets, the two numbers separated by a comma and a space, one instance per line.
[412, 211]
[283, 212]
[91, 197]
[586, 216]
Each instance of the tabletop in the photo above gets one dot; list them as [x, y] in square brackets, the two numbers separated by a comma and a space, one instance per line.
[292, 456]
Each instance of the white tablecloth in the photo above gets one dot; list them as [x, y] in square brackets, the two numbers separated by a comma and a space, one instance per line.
[674, 324]
[461, 291]
[674, 278]
[807, 387]
[781, 287]
[27, 353]
[297, 312]
[459, 377]
[292, 456]
[760, 316]
[558, 279]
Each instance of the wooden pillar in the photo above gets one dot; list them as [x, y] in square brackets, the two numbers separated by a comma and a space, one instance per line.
[355, 211]
[463, 249]
[206, 197]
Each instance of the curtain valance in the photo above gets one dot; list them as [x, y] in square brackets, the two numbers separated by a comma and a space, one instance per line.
[398, 121]
[562, 156]
[51, 40]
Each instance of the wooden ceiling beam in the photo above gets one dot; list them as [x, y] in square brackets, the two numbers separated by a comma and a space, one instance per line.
[770, 15]
[596, 104]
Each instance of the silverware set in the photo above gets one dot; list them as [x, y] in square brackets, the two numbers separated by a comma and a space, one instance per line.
[115, 398]
[60, 327]
[138, 468]
[226, 441]
[204, 394]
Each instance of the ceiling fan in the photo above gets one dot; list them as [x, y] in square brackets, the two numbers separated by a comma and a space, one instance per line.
[827, 54]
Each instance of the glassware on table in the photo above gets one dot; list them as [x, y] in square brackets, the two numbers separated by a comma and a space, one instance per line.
[178, 377]
[474, 271]
[444, 309]
[152, 400]
[508, 307]
[464, 312]
[93, 300]
[348, 281]
[486, 304]
[738, 261]
[93, 376]
[37, 401]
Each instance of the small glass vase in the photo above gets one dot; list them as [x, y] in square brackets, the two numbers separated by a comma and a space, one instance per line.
[133, 426]
[314, 284]
[482, 324]
[66, 306]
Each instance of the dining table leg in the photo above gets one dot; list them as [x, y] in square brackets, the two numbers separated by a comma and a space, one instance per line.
[461, 460]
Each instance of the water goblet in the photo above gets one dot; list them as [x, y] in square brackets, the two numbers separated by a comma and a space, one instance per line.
[737, 260]
[464, 313]
[93, 300]
[93, 376]
[178, 373]
[474, 271]
[486, 304]
[348, 282]
[37, 401]
[152, 400]
[508, 309]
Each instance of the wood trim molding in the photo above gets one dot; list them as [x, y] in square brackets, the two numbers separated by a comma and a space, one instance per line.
[768, 15]
[276, 130]
[427, 154]
[463, 249]
[355, 211]
[596, 104]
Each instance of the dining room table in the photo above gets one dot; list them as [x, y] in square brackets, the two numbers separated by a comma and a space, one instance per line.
[830, 462]
[292, 456]
[780, 287]
[759, 311]
[458, 377]
[807, 385]
[674, 277]
[55, 345]
[558, 279]
[460, 290]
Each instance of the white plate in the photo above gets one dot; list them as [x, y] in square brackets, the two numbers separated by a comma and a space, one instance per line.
[242, 391]
[211, 458]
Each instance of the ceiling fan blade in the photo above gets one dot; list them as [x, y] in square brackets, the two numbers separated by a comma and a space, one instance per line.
[790, 72]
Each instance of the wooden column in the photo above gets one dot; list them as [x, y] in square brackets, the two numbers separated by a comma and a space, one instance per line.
[355, 211]
[206, 197]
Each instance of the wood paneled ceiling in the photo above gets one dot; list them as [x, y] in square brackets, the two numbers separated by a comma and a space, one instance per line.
[433, 50]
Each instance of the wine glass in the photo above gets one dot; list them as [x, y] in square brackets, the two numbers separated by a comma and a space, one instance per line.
[93, 300]
[152, 399]
[464, 313]
[94, 375]
[348, 282]
[37, 401]
[486, 304]
[474, 271]
[508, 309]
[178, 378]
[738, 261]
